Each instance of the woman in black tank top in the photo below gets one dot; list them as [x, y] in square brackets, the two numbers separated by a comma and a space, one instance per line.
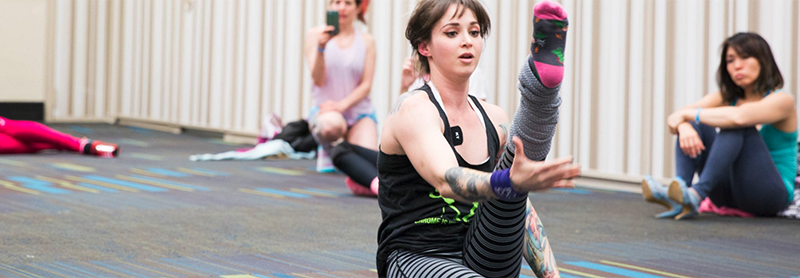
[453, 200]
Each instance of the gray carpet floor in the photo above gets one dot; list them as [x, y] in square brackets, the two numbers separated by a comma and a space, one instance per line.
[153, 213]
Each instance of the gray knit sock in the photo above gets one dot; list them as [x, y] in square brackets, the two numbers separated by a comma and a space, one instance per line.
[535, 120]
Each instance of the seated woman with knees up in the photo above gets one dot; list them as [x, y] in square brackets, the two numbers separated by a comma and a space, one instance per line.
[342, 65]
[749, 166]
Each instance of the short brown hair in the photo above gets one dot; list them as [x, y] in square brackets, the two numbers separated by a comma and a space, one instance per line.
[748, 45]
[428, 12]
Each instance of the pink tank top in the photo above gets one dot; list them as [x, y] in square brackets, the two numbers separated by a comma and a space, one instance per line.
[344, 69]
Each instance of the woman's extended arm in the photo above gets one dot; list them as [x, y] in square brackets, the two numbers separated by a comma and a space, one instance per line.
[770, 109]
[434, 160]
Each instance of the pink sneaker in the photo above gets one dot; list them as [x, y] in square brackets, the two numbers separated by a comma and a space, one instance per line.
[357, 189]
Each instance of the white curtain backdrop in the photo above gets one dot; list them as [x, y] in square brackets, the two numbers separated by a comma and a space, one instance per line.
[225, 64]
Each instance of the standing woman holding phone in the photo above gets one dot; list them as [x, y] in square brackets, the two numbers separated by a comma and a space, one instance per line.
[342, 66]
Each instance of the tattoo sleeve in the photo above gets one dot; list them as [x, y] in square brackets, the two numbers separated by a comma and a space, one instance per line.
[503, 129]
[469, 184]
[399, 101]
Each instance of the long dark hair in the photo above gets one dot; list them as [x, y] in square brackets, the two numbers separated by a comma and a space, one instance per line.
[748, 45]
[428, 12]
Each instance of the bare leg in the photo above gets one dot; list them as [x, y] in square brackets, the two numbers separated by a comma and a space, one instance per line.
[364, 133]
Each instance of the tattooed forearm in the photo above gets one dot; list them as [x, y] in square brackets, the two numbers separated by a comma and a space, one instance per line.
[399, 101]
[469, 184]
[503, 130]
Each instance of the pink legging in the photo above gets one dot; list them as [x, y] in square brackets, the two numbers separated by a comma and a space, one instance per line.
[30, 137]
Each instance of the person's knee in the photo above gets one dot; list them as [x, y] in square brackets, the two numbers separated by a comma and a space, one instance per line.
[330, 127]
[339, 151]
[727, 132]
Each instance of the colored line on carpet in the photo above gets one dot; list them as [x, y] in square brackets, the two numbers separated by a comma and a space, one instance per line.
[283, 193]
[38, 185]
[280, 171]
[73, 167]
[67, 184]
[145, 156]
[166, 172]
[125, 183]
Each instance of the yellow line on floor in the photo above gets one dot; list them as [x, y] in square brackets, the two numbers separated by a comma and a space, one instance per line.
[154, 183]
[47, 270]
[13, 162]
[643, 269]
[11, 270]
[217, 265]
[146, 173]
[321, 194]
[245, 190]
[578, 273]
[67, 184]
[146, 156]
[172, 266]
[281, 171]
[100, 183]
[20, 270]
[12, 186]
[193, 172]
[106, 270]
[74, 167]
[141, 267]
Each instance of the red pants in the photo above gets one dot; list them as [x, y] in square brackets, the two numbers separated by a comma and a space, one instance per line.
[30, 137]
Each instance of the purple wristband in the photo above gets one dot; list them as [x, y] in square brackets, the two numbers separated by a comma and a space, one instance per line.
[501, 185]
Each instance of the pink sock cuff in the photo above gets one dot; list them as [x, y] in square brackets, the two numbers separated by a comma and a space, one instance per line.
[549, 11]
[550, 75]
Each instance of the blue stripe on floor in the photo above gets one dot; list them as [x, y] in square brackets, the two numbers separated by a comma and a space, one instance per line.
[201, 170]
[140, 130]
[203, 268]
[125, 183]
[259, 276]
[80, 129]
[325, 191]
[573, 190]
[284, 193]
[280, 275]
[117, 269]
[60, 269]
[611, 269]
[38, 185]
[166, 172]
[6, 272]
[75, 268]
[171, 183]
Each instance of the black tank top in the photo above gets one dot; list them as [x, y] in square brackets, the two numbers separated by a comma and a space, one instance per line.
[415, 216]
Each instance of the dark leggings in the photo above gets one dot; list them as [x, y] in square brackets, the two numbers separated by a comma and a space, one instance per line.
[359, 163]
[493, 247]
[736, 170]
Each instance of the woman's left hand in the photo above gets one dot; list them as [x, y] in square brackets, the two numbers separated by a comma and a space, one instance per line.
[673, 121]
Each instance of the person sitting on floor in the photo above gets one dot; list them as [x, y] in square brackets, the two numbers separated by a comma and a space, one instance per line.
[750, 164]
[19, 137]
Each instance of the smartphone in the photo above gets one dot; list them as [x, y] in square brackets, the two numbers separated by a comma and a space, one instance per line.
[333, 20]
